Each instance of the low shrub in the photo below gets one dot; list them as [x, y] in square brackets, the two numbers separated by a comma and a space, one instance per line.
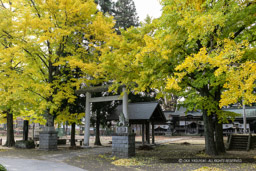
[25, 144]
[2, 168]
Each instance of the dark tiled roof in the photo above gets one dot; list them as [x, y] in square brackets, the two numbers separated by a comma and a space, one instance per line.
[140, 111]
[182, 112]
[250, 112]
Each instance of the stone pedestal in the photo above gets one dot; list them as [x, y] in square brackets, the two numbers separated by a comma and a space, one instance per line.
[123, 144]
[169, 130]
[48, 139]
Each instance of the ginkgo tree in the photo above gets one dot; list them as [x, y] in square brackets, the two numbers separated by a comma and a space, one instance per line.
[191, 49]
[14, 97]
[13, 94]
[222, 49]
[58, 34]
[39, 40]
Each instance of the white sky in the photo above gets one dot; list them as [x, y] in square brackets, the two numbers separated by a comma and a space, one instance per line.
[150, 7]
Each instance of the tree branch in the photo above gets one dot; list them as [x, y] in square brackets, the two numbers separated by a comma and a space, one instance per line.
[34, 5]
[16, 65]
[10, 36]
[42, 60]
[2, 4]
[37, 94]
[38, 56]
[238, 32]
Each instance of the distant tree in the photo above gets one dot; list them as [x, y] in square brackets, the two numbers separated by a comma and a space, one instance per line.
[100, 112]
[106, 6]
[142, 96]
[125, 14]
[71, 112]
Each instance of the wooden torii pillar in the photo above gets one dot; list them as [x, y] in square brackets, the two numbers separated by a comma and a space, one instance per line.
[87, 91]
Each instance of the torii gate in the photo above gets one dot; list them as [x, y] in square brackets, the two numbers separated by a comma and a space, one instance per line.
[89, 99]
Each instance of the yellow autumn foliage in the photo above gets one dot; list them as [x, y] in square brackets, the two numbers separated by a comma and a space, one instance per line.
[206, 168]
[48, 48]
[127, 162]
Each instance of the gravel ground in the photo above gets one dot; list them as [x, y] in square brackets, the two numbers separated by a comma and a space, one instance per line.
[164, 156]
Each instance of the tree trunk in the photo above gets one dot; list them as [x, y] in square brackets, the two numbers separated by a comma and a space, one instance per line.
[147, 133]
[97, 134]
[210, 147]
[218, 127]
[10, 133]
[219, 137]
[66, 128]
[25, 130]
[33, 131]
[73, 134]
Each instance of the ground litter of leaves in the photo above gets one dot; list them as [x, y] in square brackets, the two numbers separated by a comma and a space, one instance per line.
[159, 157]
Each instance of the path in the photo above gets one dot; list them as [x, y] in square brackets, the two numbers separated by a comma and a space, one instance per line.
[17, 164]
[65, 159]
[172, 140]
[62, 159]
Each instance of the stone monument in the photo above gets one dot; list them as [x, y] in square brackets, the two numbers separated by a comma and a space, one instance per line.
[123, 141]
[48, 137]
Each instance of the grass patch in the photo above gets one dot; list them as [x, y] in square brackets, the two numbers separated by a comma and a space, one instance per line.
[2, 168]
